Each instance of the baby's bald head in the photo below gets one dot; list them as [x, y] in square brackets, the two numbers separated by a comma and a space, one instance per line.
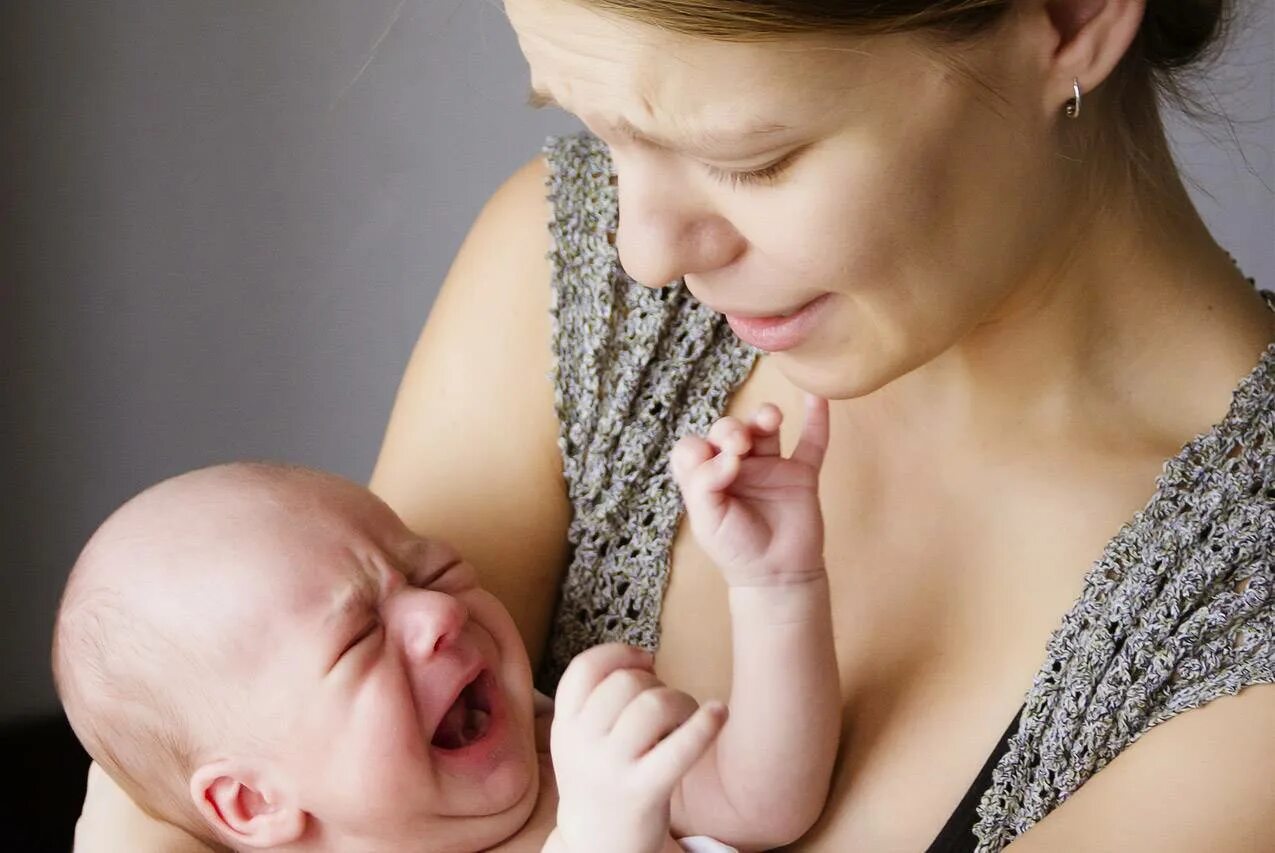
[155, 638]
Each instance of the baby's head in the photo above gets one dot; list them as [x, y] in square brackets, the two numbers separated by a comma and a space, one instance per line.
[268, 657]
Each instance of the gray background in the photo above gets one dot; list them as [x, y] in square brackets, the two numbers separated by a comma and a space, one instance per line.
[224, 222]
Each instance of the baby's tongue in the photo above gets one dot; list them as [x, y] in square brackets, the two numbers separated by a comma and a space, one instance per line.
[450, 730]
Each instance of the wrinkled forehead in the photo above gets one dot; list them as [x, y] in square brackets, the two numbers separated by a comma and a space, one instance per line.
[299, 569]
[271, 580]
[604, 67]
[318, 571]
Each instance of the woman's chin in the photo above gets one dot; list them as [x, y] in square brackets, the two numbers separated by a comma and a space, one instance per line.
[834, 376]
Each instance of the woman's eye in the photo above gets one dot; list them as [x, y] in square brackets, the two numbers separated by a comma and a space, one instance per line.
[764, 175]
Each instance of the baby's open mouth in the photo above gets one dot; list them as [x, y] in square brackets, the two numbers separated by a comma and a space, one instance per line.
[468, 720]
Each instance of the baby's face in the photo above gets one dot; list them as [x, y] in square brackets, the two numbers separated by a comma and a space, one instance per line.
[393, 693]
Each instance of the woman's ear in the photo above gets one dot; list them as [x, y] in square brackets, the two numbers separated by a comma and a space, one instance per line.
[243, 807]
[1091, 37]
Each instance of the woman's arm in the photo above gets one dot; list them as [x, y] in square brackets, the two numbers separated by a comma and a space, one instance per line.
[110, 822]
[1200, 781]
[471, 453]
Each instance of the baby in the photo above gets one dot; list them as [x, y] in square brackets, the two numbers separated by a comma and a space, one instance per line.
[267, 657]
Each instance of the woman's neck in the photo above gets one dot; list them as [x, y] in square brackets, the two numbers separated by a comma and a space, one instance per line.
[1138, 320]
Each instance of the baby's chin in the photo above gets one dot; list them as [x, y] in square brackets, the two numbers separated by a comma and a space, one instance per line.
[496, 807]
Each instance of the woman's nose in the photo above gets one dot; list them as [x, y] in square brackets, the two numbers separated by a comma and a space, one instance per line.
[665, 232]
[425, 622]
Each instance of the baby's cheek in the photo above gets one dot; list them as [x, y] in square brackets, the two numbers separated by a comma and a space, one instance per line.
[487, 613]
[370, 762]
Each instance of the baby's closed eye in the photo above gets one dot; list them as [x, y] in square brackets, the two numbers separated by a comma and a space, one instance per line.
[369, 632]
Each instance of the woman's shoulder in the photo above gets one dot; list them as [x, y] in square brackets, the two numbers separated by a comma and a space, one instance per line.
[1189, 579]
[475, 408]
[1176, 612]
[1221, 486]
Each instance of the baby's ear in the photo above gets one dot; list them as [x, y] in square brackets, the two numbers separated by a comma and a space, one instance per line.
[243, 807]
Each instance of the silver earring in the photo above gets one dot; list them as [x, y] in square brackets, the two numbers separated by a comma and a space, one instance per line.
[1072, 109]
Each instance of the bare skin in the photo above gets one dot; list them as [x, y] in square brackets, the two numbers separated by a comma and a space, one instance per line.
[929, 680]
[391, 697]
[966, 498]
[998, 413]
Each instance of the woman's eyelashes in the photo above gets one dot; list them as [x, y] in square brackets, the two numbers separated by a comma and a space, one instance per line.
[764, 175]
[747, 177]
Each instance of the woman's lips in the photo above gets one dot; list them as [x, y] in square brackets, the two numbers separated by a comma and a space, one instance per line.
[775, 334]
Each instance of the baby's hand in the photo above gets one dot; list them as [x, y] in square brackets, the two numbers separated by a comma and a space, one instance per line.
[621, 741]
[754, 512]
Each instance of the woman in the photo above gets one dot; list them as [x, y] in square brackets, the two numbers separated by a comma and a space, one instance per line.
[961, 222]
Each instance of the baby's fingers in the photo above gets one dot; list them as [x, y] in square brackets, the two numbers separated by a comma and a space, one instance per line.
[814, 433]
[649, 717]
[704, 489]
[610, 698]
[671, 759]
[702, 471]
[689, 453]
[765, 430]
[729, 435]
[589, 669]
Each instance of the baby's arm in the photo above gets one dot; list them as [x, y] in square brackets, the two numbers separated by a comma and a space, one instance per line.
[764, 780]
[621, 742]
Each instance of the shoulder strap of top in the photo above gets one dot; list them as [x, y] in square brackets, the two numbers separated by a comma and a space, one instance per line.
[1177, 612]
[635, 368]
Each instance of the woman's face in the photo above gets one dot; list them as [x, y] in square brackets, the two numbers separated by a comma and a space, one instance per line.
[906, 199]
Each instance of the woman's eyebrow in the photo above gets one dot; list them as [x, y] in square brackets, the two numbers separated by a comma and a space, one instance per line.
[701, 140]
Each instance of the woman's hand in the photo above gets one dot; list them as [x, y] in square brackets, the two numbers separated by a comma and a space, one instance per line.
[753, 511]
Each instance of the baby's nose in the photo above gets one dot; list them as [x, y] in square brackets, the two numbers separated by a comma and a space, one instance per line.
[426, 621]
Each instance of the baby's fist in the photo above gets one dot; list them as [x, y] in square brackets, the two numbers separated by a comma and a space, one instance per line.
[755, 512]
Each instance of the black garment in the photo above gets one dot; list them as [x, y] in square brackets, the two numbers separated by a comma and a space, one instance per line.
[957, 835]
[39, 815]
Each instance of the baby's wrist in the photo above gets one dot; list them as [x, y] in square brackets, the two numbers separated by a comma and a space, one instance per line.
[795, 598]
[762, 576]
[598, 830]
[790, 581]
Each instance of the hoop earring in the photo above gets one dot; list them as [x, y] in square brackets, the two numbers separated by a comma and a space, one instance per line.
[1072, 108]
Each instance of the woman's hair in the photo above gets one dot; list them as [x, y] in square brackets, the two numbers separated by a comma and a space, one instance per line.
[1174, 36]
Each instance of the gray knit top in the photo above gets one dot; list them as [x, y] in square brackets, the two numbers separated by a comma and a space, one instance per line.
[1176, 612]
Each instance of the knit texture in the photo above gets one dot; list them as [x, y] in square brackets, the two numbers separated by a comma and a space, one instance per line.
[635, 369]
[1177, 611]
